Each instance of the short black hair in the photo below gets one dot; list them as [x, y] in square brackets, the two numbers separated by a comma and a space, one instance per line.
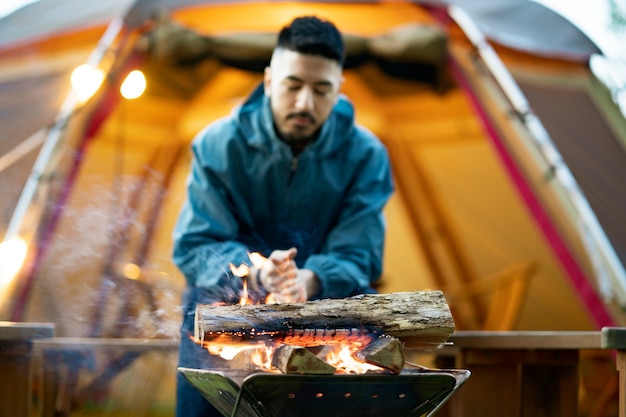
[314, 36]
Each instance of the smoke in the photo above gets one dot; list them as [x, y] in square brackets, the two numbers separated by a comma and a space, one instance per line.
[84, 283]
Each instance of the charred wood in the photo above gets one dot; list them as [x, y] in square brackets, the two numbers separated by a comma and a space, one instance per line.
[385, 351]
[418, 319]
[299, 360]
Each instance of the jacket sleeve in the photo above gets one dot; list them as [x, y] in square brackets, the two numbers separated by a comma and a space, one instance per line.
[204, 235]
[352, 255]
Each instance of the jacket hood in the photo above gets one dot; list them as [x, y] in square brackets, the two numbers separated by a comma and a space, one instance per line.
[258, 126]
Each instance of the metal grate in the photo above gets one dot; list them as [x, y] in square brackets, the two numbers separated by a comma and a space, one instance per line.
[414, 392]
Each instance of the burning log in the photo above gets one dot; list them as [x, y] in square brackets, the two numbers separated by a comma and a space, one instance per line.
[299, 360]
[418, 319]
[385, 352]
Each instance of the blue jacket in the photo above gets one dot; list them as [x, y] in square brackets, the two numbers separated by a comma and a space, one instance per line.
[247, 193]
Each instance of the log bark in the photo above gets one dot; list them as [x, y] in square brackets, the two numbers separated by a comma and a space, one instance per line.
[298, 360]
[386, 352]
[418, 319]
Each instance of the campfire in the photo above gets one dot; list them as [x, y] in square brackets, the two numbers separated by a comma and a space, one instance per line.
[342, 356]
[306, 350]
[363, 334]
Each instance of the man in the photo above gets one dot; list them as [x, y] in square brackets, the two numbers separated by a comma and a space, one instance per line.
[289, 175]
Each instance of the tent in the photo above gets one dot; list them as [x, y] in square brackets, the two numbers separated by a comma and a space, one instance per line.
[498, 202]
[482, 187]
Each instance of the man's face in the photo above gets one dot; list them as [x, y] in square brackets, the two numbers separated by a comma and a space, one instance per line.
[303, 90]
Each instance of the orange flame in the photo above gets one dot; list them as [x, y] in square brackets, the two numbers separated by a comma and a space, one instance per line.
[343, 359]
[240, 271]
[243, 271]
[257, 259]
[337, 351]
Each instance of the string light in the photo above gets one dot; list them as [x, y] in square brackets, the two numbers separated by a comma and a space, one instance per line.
[86, 80]
[134, 85]
[12, 256]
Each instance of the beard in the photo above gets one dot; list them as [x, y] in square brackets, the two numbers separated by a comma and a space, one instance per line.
[298, 136]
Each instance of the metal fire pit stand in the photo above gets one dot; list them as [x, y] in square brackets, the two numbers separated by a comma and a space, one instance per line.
[413, 392]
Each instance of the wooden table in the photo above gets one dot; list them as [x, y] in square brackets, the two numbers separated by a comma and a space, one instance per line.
[615, 338]
[16, 370]
[527, 373]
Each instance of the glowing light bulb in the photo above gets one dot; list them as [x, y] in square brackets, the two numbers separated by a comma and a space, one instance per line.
[134, 85]
[12, 256]
[86, 80]
[132, 271]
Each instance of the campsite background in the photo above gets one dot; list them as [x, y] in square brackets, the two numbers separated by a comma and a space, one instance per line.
[34, 86]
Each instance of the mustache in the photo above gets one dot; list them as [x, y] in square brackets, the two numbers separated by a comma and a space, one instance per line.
[302, 114]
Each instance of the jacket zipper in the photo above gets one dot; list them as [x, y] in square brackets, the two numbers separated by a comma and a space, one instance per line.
[292, 172]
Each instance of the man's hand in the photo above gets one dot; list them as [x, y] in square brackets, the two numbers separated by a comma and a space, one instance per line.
[278, 269]
[285, 282]
[308, 280]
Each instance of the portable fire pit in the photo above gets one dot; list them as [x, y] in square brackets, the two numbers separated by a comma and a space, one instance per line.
[306, 370]
[412, 392]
